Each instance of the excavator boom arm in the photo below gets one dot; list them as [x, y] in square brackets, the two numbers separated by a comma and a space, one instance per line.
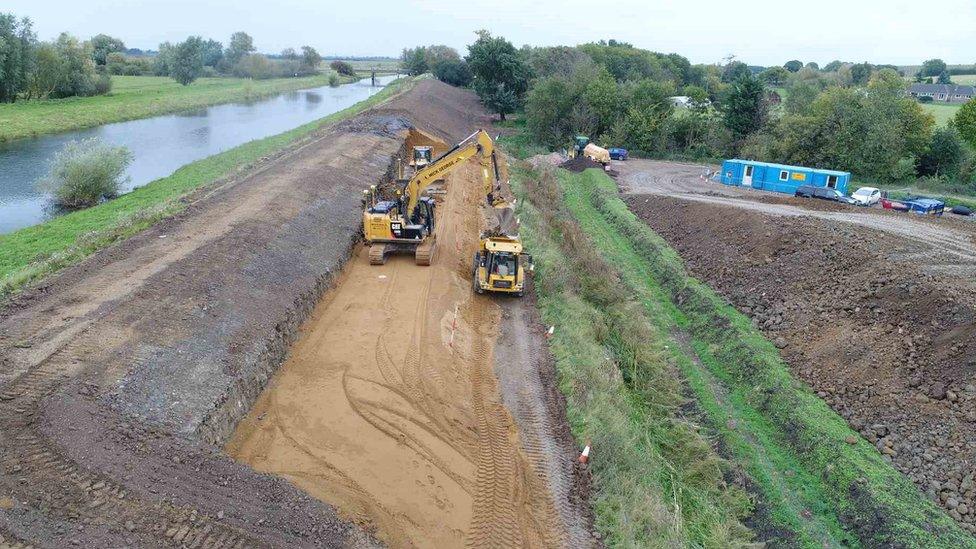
[477, 143]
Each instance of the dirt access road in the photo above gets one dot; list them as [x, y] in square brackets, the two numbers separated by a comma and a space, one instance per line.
[875, 310]
[389, 407]
[949, 236]
[122, 378]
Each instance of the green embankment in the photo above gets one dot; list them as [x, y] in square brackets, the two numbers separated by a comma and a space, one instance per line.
[814, 482]
[658, 481]
[34, 252]
[134, 97]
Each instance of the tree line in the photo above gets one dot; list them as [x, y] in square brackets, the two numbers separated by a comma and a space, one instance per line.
[67, 66]
[195, 57]
[31, 69]
[856, 117]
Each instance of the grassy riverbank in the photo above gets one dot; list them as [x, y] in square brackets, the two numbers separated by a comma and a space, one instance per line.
[134, 97]
[34, 252]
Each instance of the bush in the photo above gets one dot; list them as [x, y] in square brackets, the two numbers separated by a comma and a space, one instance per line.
[255, 66]
[103, 84]
[342, 68]
[334, 79]
[85, 172]
[925, 99]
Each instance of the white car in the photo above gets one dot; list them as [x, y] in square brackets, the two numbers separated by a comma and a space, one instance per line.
[866, 196]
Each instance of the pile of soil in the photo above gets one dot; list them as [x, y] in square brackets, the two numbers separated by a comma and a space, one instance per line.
[580, 163]
[439, 109]
[882, 327]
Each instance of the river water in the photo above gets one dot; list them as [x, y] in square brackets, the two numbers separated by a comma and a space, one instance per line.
[162, 144]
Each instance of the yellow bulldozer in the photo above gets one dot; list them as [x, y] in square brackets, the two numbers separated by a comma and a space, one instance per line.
[403, 220]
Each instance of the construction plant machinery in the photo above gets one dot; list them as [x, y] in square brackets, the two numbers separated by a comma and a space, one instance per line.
[500, 266]
[405, 221]
[582, 146]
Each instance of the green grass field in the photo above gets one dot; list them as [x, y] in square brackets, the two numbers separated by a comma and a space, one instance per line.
[364, 67]
[34, 252]
[135, 97]
[964, 79]
[942, 112]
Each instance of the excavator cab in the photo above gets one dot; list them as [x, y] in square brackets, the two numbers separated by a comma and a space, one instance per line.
[500, 266]
[422, 156]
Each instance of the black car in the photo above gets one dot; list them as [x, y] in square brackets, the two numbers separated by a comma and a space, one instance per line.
[823, 193]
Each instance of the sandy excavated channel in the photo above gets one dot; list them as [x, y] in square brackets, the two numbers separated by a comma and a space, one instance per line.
[122, 378]
[388, 407]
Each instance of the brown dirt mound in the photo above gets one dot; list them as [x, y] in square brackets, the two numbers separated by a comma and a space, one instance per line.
[440, 109]
[882, 327]
[579, 164]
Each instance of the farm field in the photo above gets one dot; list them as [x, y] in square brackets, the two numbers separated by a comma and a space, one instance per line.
[942, 113]
[134, 97]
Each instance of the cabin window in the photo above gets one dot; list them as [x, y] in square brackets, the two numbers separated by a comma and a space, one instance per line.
[784, 175]
[832, 181]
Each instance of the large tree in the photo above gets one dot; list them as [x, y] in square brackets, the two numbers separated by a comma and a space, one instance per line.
[212, 52]
[187, 61]
[500, 73]
[310, 59]
[933, 67]
[102, 45]
[241, 44]
[454, 72]
[965, 122]
[794, 65]
[734, 71]
[18, 45]
[775, 76]
[744, 106]
[945, 154]
[414, 60]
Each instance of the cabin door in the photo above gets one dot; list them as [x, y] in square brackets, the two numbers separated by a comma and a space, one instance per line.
[747, 176]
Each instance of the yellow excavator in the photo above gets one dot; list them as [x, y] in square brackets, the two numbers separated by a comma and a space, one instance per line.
[405, 220]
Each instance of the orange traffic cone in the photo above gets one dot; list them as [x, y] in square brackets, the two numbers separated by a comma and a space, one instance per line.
[584, 457]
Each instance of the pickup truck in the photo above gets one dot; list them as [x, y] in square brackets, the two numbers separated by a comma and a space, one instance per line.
[916, 204]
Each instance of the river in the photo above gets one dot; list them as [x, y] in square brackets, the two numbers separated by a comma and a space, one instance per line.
[162, 144]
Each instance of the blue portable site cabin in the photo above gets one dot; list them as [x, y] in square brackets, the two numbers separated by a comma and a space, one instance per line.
[780, 177]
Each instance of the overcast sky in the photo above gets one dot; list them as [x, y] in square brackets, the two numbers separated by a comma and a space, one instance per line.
[762, 32]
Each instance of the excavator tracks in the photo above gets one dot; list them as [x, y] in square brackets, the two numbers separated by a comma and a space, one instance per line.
[84, 496]
[425, 252]
[377, 254]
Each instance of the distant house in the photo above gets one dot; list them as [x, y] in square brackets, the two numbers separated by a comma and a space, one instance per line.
[947, 93]
[685, 102]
